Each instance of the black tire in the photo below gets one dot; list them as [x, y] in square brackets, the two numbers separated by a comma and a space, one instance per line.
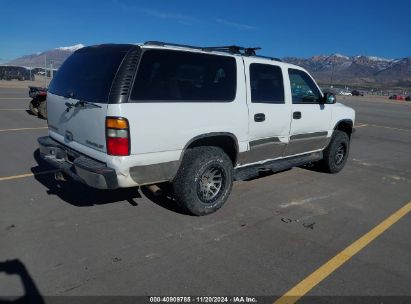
[33, 109]
[336, 154]
[203, 169]
[43, 109]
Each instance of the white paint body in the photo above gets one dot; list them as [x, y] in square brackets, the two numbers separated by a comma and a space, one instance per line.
[159, 132]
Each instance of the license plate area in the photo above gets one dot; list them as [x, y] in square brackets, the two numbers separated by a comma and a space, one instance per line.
[70, 156]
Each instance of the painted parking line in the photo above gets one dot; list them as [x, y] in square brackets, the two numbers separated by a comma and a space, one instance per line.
[302, 288]
[1, 98]
[6, 178]
[391, 128]
[13, 109]
[22, 129]
[361, 125]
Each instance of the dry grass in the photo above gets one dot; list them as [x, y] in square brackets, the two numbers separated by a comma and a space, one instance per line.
[16, 84]
[371, 98]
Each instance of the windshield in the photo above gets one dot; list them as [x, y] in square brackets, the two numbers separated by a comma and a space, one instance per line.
[88, 73]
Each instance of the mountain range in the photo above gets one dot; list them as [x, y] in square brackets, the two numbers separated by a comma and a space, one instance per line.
[56, 56]
[333, 69]
[357, 70]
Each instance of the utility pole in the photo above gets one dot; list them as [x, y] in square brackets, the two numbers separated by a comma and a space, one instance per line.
[51, 69]
[45, 71]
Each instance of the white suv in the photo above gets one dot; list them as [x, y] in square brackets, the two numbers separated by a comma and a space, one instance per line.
[122, 115]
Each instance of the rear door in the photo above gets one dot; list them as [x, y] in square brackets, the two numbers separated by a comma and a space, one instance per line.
[311, 118]
[269, 113]
[78, 97]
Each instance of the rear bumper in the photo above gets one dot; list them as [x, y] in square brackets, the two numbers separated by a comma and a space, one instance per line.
[78, 166]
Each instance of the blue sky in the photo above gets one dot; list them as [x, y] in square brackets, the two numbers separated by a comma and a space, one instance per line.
[282, 28]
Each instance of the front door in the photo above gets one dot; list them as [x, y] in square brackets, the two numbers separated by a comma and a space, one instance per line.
[311, 118]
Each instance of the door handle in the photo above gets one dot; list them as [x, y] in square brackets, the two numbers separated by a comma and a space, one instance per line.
[259, 117]
[297, 115]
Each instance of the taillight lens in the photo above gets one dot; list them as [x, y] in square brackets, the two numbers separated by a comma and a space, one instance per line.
[117, 136]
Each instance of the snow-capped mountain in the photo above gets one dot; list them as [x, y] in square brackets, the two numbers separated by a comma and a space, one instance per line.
[56, 56]
[341, 69]
[72, 48]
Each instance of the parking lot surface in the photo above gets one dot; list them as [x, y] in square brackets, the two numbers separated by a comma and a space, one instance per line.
[272, 233]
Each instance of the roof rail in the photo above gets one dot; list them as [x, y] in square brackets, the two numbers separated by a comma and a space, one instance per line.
[232, 49]
[160, 43]
[229, 48]
[267, 57]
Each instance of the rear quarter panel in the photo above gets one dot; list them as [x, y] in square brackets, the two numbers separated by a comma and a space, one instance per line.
[162, 127]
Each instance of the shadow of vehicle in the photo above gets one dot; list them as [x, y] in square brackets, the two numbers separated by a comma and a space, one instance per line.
[81, 195]
[78, 194]
[31, 292]
[315, 167]
[165, 199]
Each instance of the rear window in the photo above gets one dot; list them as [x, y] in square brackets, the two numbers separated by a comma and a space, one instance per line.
[177, 76]
[266, 83]
[88, 74]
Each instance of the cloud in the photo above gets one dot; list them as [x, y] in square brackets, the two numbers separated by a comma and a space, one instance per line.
[171, 16]
[239, 26]
[178, 17]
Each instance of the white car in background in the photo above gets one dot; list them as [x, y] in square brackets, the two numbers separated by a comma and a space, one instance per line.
[345, 93]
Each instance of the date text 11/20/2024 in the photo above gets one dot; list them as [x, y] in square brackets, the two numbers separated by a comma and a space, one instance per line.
[205, 299]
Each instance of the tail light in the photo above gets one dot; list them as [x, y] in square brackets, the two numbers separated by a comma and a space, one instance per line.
[117, 136]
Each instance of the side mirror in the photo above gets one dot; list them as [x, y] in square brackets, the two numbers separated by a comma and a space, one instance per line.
[329, 98]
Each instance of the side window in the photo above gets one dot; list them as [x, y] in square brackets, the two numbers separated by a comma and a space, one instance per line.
[166, 75]
[303, 88]
[266, 82]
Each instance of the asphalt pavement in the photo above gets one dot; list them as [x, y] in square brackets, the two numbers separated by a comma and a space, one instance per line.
[274, 231]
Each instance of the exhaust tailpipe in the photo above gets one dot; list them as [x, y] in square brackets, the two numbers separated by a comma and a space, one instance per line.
[60, 176]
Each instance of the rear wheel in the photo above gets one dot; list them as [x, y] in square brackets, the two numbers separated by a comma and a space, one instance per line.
[33, 108]
[336, 154]
[43, 109]
[204, 180]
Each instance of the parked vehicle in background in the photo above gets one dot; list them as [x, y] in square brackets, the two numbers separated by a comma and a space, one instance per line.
[397, 97]
[408, 98]
[345, 93]
[38, 103]
[122, 115]
[9, 72]
[357, 93]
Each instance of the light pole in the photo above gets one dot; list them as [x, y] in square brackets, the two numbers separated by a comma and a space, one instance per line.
[45, 71]
[332, 74]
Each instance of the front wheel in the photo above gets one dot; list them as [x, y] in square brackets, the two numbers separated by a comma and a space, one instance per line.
[336, 154]
[204, 180]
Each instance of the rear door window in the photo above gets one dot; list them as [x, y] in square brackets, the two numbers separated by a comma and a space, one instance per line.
[177, 76]
[266, 82]
[88, 74]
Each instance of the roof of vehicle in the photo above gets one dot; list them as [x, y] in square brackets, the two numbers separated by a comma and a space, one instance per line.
[230, 50]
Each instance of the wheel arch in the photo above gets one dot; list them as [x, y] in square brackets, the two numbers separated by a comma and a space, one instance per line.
[345, 125]
[226, 141]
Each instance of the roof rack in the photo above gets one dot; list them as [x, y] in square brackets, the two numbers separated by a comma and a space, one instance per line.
[232, 49]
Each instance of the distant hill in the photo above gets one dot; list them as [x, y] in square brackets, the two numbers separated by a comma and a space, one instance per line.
[335, 69]
[57, 55]
[357, 70]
